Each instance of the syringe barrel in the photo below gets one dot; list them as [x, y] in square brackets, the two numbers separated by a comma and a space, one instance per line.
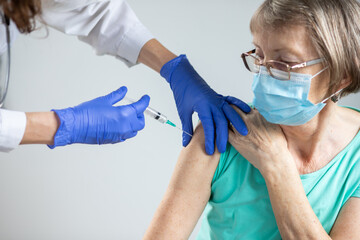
[151, 112]
[155, 115]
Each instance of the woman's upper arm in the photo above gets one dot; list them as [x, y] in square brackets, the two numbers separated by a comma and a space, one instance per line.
[347, 223]
[187, 194]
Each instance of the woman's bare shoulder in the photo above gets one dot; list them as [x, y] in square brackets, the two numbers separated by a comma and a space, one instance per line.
[351, 116]
[196, 148]
[349, 125]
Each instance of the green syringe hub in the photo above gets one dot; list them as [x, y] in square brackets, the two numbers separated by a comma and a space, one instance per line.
[170, 123]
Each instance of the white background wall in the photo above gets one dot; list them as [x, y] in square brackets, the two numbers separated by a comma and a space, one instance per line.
[111, 192]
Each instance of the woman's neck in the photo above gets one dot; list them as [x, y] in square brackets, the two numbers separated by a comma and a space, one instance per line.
[313, 144]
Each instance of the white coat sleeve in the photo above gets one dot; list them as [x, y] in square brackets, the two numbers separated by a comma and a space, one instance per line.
[12, 129]
[109, 26]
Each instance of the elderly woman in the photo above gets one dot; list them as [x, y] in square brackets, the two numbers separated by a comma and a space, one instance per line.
[296, 175]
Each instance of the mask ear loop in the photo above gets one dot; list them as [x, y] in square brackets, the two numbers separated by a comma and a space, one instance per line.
[322, 70]
[334, 97]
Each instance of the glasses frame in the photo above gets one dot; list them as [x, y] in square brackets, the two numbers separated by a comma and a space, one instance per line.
[6, 21]
[268, 64]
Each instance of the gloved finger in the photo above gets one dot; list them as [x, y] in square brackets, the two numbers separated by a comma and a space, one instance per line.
[139, 123]
[116, 96]
[221, 125]
[129, 135]
[141, 105]
[240, 104]
[209, 131]
[187, 126]
[235, 119]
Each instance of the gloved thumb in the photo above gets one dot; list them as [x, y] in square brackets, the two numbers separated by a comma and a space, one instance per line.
[141, 105]
[187, 126]
[116, 96]
[240, 104]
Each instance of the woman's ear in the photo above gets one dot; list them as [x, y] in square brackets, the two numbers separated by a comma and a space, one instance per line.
[344, 83]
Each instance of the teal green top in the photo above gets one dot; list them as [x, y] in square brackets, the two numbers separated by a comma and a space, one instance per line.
[240, 208]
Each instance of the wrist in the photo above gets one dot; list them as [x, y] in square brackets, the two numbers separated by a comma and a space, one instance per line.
[40, 128]
[155, 55]
[281, 163]
[63, 135]
[169, 67]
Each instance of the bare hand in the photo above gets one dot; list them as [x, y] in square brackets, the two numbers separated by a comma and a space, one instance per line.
[265, 146]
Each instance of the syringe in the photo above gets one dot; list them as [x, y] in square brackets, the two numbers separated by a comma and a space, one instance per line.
[157, 116]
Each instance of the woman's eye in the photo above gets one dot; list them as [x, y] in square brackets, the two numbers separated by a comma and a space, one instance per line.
[259, 56]
[291, 63]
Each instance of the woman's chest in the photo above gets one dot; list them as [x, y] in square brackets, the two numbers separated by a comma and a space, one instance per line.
[307, 164]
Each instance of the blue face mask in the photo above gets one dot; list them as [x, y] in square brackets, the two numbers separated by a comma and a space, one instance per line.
[285, 102]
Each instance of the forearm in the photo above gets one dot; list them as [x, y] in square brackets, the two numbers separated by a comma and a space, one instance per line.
[155, 55]
[294, 215]
[40, 128]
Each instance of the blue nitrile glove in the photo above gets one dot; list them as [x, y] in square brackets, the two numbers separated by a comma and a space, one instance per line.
[191, 94]
[99, 122]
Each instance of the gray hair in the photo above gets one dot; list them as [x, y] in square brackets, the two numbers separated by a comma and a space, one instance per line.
[334, 29]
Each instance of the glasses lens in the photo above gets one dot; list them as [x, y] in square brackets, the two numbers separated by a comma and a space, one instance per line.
[278, 74]
[279, 66]
[253, 63]
[279, 70]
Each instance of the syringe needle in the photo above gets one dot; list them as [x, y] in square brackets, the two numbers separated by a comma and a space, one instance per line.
[184, 131]
[173, 125]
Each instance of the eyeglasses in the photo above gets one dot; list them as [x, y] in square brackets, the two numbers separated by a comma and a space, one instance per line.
[4, 58]
[276, 69]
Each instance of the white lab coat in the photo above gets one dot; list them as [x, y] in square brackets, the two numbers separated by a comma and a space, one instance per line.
[110, 26]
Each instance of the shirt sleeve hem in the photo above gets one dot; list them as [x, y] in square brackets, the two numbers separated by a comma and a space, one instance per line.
[12, 129]
[132, 43]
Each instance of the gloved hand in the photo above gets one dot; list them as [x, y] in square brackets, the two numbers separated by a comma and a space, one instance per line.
[191, 94]
[98, 122]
